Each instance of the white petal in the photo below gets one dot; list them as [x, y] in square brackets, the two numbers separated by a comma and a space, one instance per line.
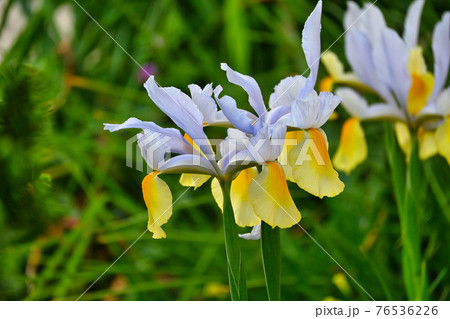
[443, 102]
[369, 20]
[441, 51]
[286, 91]
[311, 47]
[353, 102]
[328, 103]
[250, 86]
[412, 23]
[254, 235]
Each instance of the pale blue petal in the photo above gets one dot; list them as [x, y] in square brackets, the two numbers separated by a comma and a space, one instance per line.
[391, 57]
[205, 103]
[188, 163]
[238, 118]
[311, 47]
[441, 51]
[412, 23]
[250, 86]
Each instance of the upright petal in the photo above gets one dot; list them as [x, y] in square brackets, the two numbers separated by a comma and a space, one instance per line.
[441, 52]
[250, 86]
[412, 23]
[352, 148]
[391, 56]
[286, 91]
[239, 193]
[158, 199]
[271, 199]
[205, 103]
[369, 20]
[311, 166]
[179, 107]
[311, 47]
[238, 118]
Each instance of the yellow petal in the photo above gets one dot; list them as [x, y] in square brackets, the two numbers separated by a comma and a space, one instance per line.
[352, 148]
[193, 180]
[403, 138]
[311, 166]
[422, 81]
[271, 199]
[427, 144]
[443, 139]
[216, 190]
[242, 206]
[332, 64]
[158, 199]
[292, 138]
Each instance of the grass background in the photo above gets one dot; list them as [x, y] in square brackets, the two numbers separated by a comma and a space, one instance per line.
[69, 206]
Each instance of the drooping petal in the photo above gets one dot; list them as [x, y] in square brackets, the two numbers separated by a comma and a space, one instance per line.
[412, 23]
[352, 148]
[239, 118]
[403, 138]
[286, 91]
[292, 138]
[216, 191]
[441, 52]
[250, 86]
[427, 144]
[193, 180]
[158, 199]
[170, 136]
[271, 199]
[311, 165]
[239, 193]
[311, 47]
[443, 139]
[254, 235]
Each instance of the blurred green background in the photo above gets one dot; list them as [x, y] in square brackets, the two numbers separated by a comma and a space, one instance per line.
[69, 205]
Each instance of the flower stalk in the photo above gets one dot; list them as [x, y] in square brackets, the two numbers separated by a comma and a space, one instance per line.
[236, 274]
[271, 256]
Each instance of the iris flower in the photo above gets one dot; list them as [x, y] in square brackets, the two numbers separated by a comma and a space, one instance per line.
[294, 103]
[394, 68]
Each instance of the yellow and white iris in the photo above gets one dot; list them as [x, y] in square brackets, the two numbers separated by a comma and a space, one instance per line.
[394, 69]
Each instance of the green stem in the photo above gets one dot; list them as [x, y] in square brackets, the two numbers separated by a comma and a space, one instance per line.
[236, 275]
[407, 181]
[270, 250]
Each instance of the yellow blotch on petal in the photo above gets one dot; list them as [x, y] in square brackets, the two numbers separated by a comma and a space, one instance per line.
[326, 84]
[292, 138]
[422, 82]
[443, 139]
[352, 148]
[427, 143]
[271, 199]
[403, 138]
[311, 165]
[158, 199]
[193, 180]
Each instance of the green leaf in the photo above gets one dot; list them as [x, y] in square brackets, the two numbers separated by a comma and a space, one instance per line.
[271, 256]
